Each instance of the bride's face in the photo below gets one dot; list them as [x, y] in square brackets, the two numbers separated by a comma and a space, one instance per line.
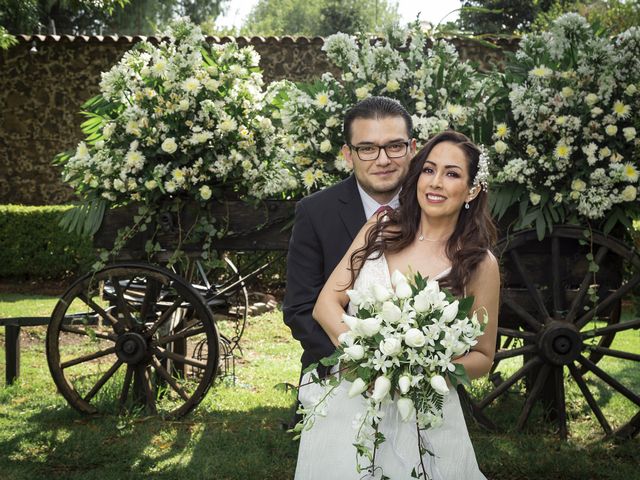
[443, 185]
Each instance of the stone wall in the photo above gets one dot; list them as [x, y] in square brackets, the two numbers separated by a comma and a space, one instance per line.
[45, 79]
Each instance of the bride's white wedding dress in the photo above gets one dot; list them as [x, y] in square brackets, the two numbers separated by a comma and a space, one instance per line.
[326, 450]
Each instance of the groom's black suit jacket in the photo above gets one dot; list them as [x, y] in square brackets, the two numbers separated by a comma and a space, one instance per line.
[325, 225]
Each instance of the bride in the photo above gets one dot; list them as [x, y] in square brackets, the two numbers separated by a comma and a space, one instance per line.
[443, 230]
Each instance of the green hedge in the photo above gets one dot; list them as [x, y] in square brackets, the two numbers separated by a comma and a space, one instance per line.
[33, 246]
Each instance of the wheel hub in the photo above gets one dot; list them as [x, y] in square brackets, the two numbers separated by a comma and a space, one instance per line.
[560, 343]
[131, 348]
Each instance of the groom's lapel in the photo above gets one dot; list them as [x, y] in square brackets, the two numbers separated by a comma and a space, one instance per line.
[351, 209]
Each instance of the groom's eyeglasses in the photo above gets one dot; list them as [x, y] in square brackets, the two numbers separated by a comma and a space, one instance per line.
[372, 152]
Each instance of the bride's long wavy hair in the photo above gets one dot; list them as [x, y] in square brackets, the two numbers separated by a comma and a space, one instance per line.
[474, 234]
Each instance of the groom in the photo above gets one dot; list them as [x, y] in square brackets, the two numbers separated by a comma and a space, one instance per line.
[378, 147]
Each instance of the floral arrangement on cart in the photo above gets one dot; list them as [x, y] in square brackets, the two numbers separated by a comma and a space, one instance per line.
[427, 76]
[565, 162]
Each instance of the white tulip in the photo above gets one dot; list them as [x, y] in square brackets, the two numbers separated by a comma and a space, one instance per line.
[391, 313]
[352, 322]
[346, 338]
[381, 294]
[406, 408]
[404, 383]
[439, 384]
[450, 312]
[355, 297]
[403, 290]
[369, 326]
[381, 388]
[357, 387]
[397, 278]
[414, 338]
[390, 346]
[355, 352]
[421, 303]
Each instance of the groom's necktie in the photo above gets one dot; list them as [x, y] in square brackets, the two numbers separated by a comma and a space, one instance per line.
[383, 209]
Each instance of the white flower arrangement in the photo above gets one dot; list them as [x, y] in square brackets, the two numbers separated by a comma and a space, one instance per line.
[438, 89]
[569, 150]
[400, 348]
[179, 118]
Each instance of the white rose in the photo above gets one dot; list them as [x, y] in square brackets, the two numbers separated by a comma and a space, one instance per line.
[150, 184]
[439, 384]
[611, 130]
[346, 338]
[392, 86]
[534, 198]
[205, 192]
[390, 346]
[500, 147]
[381, 388]
[631, 89]
[404, 383]
[403, 291]
[629, 133]
[355, 297]
[381, 294]
[355, 352]
[578, 185]
[370, 326]
[450, 312]
[357, 387]
[391, 313]
[414, 338]
[629, 193]
[421, 303]
[406, 408]
[362, 93]
[591, 99]
[325, 146]
[169, 145]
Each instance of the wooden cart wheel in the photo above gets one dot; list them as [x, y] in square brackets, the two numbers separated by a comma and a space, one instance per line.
[122, 339]
[557, 341]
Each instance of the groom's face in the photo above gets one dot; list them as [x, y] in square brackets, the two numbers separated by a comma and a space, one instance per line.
[380, 178]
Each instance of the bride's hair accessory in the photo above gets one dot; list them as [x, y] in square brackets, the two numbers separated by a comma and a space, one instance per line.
[482, 175]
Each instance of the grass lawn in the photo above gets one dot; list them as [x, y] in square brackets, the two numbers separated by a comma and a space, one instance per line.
[235, 433]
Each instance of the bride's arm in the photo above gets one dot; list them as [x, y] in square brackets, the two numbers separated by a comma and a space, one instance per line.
[485, 287]
[333, 298]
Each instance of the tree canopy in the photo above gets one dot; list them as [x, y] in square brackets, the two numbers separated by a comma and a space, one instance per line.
[322, 17]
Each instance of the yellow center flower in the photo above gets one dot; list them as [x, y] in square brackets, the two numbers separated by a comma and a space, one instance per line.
[621, 110]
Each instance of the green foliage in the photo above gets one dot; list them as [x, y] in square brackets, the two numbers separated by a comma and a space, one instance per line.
[125, 17]
[500, 16]
[33, 245]
[614, 16]
[6, 39]
[322, 18]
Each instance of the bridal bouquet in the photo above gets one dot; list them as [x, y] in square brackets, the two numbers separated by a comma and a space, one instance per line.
[399, 348]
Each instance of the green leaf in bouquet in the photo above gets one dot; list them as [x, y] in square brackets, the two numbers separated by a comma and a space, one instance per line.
[332, 359]
[84, 218]
[464, 306]
[459, 376]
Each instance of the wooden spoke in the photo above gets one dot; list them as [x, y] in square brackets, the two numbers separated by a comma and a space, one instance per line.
[613, 297]
[577, 376]
[533, 395]
[618, 327]
[117, 326]
[584, 286]
[182, 334]
[170, 380]
[561, 408]
[166, 315]
[144, 382]
[125, 388]
[533, 291]
[88, 358]
[100, 383]
[121, 303]
[79, 331]
[523, 314]
[179, 358]
[150, 298]
[615, 384]
[556, 279]
[516, 333]
[504, 386]
[502, 354]
[616, 353]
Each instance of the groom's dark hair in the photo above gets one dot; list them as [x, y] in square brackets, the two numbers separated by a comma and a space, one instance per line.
[375, 108]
